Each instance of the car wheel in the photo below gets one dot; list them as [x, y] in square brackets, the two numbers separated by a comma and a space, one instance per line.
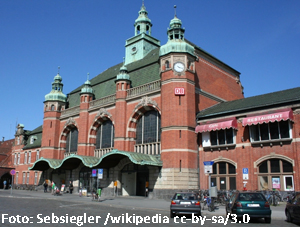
[171, 214]
[267, 220]
[289, 217]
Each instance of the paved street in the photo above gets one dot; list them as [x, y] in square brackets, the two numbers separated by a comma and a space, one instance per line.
[31, 208]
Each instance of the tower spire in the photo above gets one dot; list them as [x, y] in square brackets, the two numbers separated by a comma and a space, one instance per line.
[175, 11]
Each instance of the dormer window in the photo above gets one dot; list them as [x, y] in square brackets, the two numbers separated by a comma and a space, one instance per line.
[32, 139]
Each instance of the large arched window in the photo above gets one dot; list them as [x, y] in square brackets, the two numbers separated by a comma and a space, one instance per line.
[148, 128]
[105, 135]
[224, 176]
[72, 140]
[276, 174]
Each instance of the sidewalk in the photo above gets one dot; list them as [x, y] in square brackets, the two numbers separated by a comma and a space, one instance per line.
[134, 202]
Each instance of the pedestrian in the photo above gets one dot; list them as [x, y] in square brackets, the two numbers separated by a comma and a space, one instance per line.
[4, 184]
[53, 187]
[71, 187]
[45, 186]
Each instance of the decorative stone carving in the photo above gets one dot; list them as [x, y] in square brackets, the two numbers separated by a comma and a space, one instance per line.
[102, 112]
[296, 111]
[145, 101]
[70, 121]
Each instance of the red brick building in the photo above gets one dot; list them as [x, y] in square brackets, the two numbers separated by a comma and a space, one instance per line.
[136, 122]
[253, 142]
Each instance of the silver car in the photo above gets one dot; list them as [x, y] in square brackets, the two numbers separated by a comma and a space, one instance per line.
[185, 203]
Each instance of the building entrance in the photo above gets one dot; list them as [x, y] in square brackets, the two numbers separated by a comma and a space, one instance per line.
[134, 178]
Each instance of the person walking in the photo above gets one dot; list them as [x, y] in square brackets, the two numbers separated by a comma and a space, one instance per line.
[71, 187]
[45, 185]
[53, 187]
[4, 184]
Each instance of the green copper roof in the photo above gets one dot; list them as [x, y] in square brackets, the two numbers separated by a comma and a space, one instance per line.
[34, 138]
[56, 93]
[140, 72]
[109, 160]
[264, 101]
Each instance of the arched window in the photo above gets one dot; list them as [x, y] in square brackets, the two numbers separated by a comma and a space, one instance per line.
[52, 107]
[276, 174]
[167, 64]
[105, 135]
[224, 176]
[72, 140]
[148, 128]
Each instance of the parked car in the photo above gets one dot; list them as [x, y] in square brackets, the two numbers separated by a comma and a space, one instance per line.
[185, 203]
[253, 204]
[292, 209]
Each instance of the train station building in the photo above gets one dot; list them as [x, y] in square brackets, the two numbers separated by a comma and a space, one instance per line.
[148, 124]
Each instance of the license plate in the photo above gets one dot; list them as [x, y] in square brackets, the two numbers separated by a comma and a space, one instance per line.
[253, 205]
[185, 202]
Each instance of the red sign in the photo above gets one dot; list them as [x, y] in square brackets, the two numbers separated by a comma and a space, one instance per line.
[12, 172]
[179, 91]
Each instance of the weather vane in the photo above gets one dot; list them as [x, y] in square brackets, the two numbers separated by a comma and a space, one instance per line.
[58, 68]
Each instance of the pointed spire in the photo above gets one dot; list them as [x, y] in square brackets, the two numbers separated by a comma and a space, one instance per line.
[175, 11]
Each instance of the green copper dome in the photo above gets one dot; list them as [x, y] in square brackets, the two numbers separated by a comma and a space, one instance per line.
[56, 93]
[87, 88]
[143, 23]
[123, 75]
[176, 42]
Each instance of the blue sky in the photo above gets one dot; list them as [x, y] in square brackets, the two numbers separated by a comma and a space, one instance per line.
[258, 38]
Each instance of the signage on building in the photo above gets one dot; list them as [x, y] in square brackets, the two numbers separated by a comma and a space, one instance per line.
[94, 172]
[100, 173]
[208, 166]
[245, 174]
[179, 91]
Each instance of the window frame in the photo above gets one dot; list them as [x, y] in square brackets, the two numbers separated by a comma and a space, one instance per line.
[207, 139]
[253, 128]
[140, 128]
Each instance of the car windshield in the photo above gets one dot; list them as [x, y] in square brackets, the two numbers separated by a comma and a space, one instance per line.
[251, 197]
[185, 196]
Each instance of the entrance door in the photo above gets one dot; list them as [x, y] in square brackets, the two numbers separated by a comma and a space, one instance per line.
[129, 183]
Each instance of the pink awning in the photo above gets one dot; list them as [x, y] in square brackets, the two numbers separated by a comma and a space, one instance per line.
[279, 116]
[216, 126]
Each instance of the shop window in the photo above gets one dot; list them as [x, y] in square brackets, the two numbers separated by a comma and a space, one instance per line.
[148, 128]
[270, 131]
[72, 140]
[224, 176]
[223, 137]
[275, 174]
[105, 135]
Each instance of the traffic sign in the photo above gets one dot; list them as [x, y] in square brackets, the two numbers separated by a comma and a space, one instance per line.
[12, 172]
[208, 166]
[245, 174]
[100, 173]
